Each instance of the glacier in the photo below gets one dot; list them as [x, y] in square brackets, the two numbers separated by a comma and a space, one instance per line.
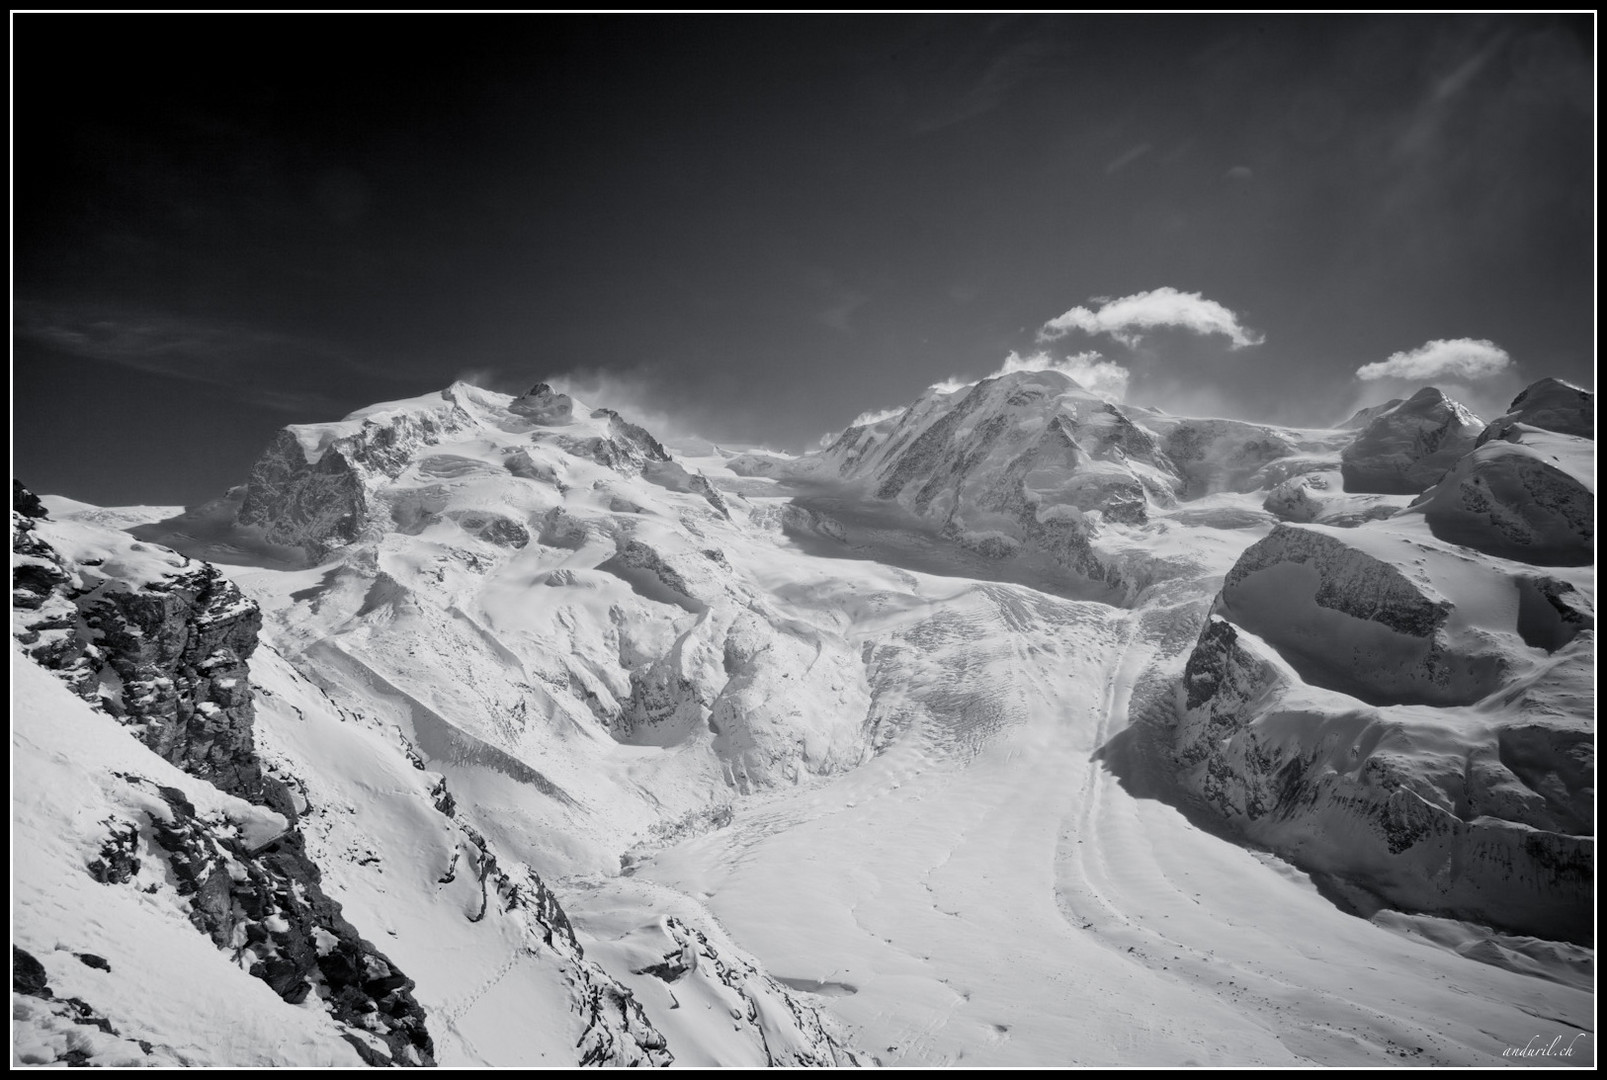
[1015, 728]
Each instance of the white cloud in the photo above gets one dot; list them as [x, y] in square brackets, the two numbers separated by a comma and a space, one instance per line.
[1125, 318]
[951, 384]
[1455, 358]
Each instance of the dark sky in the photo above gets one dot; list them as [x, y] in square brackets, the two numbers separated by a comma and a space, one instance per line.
[757, 227]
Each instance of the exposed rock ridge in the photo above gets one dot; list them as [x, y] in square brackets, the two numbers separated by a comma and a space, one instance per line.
[168, 657]
[1497, 837]
[317, 496]
[166, 654]
[1349, 580]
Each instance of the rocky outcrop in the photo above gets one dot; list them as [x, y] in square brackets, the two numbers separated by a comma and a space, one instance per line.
[26, 502]
[544, 405]
[646, 568]
[179, 648]
[310, 488]
[1551, 405]
[1439, 815]
[626, 448]
[167, 656]
[1351, 621]
[316, 504]
[1514, 500]
[793, 518]
[1318, 498]
[1407, 449]
[265, 904]
[44, 616]
[161, 643]
[791, 1034]
[616, 1031]
[492, 527]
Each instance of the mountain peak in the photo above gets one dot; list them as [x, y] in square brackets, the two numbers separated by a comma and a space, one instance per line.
[544, 405]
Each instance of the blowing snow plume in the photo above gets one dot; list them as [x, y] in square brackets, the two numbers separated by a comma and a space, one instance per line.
[1092, 371]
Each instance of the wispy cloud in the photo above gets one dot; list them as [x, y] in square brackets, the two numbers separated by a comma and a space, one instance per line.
[254, 365]
[1126, 158]
[1453, 358]
[984, 77]
[1126, 319]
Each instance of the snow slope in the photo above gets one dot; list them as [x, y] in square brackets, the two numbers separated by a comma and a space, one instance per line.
[170, 996]
[874, 753]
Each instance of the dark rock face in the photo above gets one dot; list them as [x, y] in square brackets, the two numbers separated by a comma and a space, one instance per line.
[1355, 623]
[119, 854]
[1501, 834]
[317, 499]
[180, 648]
[1349, 581]
[1506, 499]
[271, 899]
[320, 505]
[544, 405]
[174, 653]
[26, 502]
[28, 974]
[1550, 404]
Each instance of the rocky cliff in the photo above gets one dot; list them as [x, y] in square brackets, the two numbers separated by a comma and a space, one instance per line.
[160, 643]
[157, 640]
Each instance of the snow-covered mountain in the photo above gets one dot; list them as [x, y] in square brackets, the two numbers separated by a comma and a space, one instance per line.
[478, 729]
[1408, 703]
